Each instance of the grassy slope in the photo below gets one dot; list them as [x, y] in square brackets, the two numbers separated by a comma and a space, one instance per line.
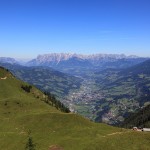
[20, 111]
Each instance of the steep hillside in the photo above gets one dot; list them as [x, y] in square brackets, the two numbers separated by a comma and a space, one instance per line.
[124, 92]
[46, 79]
[25, 118]
[138, 119]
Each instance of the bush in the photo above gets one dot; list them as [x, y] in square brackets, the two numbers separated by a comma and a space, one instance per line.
[26, 88]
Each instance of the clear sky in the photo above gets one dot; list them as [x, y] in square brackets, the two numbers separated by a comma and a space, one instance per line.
[32, 27]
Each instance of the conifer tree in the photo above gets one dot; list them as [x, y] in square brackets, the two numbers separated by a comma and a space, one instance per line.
[30, 145]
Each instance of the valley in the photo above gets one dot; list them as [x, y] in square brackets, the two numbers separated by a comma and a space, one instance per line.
[83, 100]
[112, 94]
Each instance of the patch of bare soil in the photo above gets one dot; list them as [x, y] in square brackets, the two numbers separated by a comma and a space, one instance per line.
[55, 147]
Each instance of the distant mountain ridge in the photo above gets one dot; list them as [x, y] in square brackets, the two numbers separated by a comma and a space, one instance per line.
[8, 60]
[83, 65]
[67, 60]
[56, 58]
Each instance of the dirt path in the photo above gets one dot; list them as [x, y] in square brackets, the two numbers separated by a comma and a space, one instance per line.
[3, 78]
[115, 133]
[55, 147]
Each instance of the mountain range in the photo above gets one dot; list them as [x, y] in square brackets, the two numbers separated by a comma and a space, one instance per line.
[56, 58]
[8, 60]
[77, 64]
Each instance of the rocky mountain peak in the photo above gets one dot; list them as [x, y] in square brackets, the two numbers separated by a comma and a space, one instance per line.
[7, 60]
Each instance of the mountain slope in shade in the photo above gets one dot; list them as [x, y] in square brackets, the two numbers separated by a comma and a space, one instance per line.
[138, 119]
[143, 67]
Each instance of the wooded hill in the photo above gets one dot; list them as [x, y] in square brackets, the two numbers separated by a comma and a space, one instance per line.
[138, 119]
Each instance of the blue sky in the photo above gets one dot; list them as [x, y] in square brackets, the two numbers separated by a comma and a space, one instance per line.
[32, 27]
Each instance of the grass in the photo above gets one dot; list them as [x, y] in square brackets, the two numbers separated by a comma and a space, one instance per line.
[21, 111]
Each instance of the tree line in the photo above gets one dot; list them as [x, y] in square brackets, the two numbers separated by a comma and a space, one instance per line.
[51, 100]
[138, 119]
